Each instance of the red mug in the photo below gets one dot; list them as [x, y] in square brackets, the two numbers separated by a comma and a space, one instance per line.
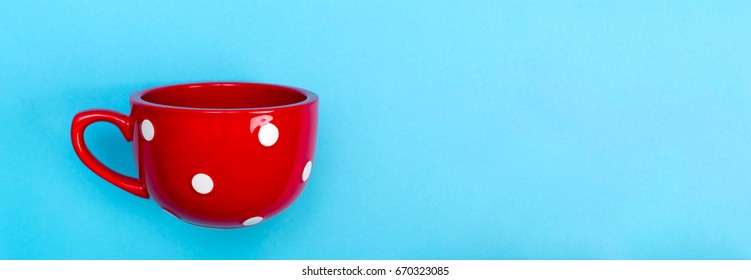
[220, 155]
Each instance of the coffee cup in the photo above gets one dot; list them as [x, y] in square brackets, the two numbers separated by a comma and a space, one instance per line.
[219, 155]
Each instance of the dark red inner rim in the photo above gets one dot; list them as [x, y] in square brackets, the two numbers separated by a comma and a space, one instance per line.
[224, 96]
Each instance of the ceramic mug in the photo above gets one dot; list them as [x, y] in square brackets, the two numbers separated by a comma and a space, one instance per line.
[220, 155]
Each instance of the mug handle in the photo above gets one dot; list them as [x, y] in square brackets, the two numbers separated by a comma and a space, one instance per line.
[83, 120]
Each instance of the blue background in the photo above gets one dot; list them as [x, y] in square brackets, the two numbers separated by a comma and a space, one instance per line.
[448, 129]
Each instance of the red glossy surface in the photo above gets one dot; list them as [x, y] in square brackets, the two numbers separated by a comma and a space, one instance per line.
[83, 120]
[220, 155]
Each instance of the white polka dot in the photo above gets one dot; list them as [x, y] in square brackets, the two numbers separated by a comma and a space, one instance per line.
[202, 183]
[147, 130]
[306, 171]
[268, 134]
[252, 221]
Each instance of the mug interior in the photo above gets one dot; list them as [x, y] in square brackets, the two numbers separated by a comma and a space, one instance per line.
[224, 96]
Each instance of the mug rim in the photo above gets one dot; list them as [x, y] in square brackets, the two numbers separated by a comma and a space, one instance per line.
[137, 97]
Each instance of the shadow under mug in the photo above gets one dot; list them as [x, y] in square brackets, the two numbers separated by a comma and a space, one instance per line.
[220, 155]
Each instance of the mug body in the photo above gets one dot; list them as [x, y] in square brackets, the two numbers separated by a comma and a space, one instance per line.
[224, 155]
